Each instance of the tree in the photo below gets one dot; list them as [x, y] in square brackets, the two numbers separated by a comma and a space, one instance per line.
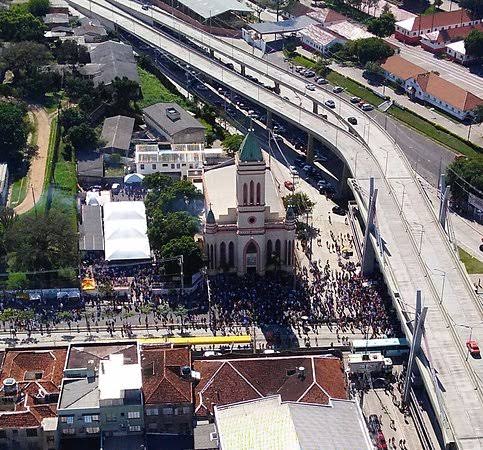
[475, 7]
[124, 91]
[162, 228]
[82, 137]
[72, 117]
[369, 49]
[474, 43]
[231, 144]
[478, 114]
[16, 24]
[465, 175]
[69, 52]
[17, 281]
[14, 129]
[38, 8]
[383, 25]
[321, 67]
[24, 58]
[373, 68]
[157, 182]
[300, 202]
[191, 252]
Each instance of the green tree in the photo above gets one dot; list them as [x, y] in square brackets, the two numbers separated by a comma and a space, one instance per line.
[83, 136]
[478, 112]
[465, 175]
[474, 43]
[475, 7]
[369, 49]
[373, 68]
[14, 129]
[321, 67]
[124, 91]
[157, 182]
[72, 117]
[17, 281]
[69, 52]
[25, 58]
[231, 143]
[16, 24]
[383, 25]
[164, 227]
[300, 202]
[38, 8]
[191, 252]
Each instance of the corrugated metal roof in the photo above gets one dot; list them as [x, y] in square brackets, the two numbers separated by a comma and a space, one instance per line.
[212, 8]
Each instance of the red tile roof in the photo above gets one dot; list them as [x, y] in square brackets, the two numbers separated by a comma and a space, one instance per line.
[161, 372]
[440, 19]
[401, 68]
[230, 381]
[454, 34]
[18, 420]
[327, 15]
[448, 92]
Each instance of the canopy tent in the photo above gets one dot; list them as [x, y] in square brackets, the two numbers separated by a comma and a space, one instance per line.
[132, 178]
[125, 231]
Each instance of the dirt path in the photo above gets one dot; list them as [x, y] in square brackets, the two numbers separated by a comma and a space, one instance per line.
[37, 165]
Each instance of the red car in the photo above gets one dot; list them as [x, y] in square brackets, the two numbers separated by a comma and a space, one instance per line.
[381, 441]
[473, 348]
[289, 185]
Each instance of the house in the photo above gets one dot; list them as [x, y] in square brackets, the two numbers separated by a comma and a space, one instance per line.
[53, 20]
[116, 134]
[270, 423]
[327, 16]
[174, 123]
[436, 41]
[58, 6]
[168, 389]
[444, 95]
[410, 30]
[31, 380]
[101, 393]
[400, 70]
[3, 184]
[315, 38]
[298, 9]
[456, 51]
[90, 168]
[348, 31]
[91, 33]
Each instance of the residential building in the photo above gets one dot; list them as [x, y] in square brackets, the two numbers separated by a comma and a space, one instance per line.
[3, 184]
[31, 380]
[327, 16]
[101, 392]
[410, 30]
[270, 423]
[348, 31]
[246, 228]
[58, 6]
[167, 380]
[174, 123]
[401, 71]
[116, 134]
[90, 168]
[297, 10]
[456, 51]
[452, 99]
[436, 41]
[299, 379]
[315, 38]
[91, 30]
[56, 20]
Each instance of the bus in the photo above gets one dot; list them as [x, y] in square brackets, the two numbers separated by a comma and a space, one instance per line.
[387, 346]
[200, 340]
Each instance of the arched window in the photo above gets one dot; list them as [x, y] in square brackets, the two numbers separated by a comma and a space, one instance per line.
[222, 254]
[269, 250]
[252, 193]
[251, 247]
[286, 251]
[258, 194]
[245, 194]
[231, 254]
[277, 248]
[212, 257]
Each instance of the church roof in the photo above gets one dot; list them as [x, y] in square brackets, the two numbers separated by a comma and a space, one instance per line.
[250, 149]
[210, 217]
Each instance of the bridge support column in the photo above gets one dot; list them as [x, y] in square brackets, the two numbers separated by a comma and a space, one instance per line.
[343, 189]
[368, 255]
[242, 69]
[315, 107]
[277, 88]
[212, 53]
[443, 205]
[269, 122]
[310, 148]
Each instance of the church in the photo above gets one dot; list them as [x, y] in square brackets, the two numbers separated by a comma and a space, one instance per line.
[246, 228]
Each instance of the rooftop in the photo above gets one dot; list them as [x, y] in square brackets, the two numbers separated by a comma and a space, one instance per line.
[349, 30]
[56, 18]
[318, 35]
[117, 132]
[250, 149]
[402, 68]
[90, 229]
[451, 34]
[327, 15]
[116, 377]
[212, 8]
[80, 393]
[89, 355]
[270, 424]
[230, 381]
[161, 373]
[448, 92]
[431, 21]
[172, 118]
[283, 26]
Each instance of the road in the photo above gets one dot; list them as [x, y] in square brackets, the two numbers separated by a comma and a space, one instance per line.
[38, 164]
[401, 204]
[457, 74]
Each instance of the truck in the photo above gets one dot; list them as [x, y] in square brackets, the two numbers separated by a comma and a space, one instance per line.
[359, 363]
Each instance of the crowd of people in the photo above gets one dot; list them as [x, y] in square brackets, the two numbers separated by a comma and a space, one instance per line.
[129, 192]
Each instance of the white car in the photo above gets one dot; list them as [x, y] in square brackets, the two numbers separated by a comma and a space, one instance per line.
[293, 170]
[306, 168]
[367, 107]
[310, 87]
[337, 89]
[330, 103]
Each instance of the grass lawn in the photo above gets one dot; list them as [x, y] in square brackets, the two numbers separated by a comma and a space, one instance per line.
[301, 60]
[19, 191]
[354, 88]
[154, 91]
[472, 264]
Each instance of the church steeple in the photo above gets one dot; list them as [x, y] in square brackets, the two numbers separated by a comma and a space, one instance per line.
[250, 149]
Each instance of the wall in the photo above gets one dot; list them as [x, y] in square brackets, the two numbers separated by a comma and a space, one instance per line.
[170, 418]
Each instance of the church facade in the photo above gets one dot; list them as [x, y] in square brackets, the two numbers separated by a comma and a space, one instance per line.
[246, 228]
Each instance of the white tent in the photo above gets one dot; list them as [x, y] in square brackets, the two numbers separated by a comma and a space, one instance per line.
[125, 231]
[132, 178]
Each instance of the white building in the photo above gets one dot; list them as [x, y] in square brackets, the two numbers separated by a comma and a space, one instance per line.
[246, 228]
[457, 52]
[3, 184]
[314, 37]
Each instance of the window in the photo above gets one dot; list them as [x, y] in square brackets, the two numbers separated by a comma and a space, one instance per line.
[152, 411]
[15, 432]
[134, 428]
[167, 411]
[68, 431]
[152, 426]
[165, 165]
[142, 166]
[186, 409]
[3, 434]
[154, 166]
[178, 411]
[111, 418]
[133, 414]
[31, 432]
[87, 419]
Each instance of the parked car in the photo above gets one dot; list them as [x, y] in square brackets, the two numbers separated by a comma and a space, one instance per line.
[339, 210]
[373, 424]
[367, 107]
[352, 120]
[337, 89]
[293, 170]
[355, 99]
[310, 87]
[320, 158]
[381, 443]
[309, 73]
[473, 348]
[330, 103]
[289, 185]
[321, 81]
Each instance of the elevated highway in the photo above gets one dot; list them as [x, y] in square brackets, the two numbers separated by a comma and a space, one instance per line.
[415, 254]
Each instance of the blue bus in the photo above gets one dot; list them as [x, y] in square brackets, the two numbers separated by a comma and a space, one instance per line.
[387, 346]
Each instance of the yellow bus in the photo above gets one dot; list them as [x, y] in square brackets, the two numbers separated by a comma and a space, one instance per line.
[199, 340]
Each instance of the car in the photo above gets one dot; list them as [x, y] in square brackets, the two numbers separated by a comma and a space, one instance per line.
[381, 443]
[299, 69]
[307, 168]
[339, 210]
[373, 424]
[310, 87]
[289, 185]
[320, 158]
[278, 128]
[299, 145]
[286, 98]
[253, 114]
[293, 170]
[367, 107]
[330, 103]
[209, 353]
[352, 120]
[337, 89]
[299, 161]
[145, 7]
[277, 137]
[321, 81]
[473, 347]
[355, 99]
[310, 74]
